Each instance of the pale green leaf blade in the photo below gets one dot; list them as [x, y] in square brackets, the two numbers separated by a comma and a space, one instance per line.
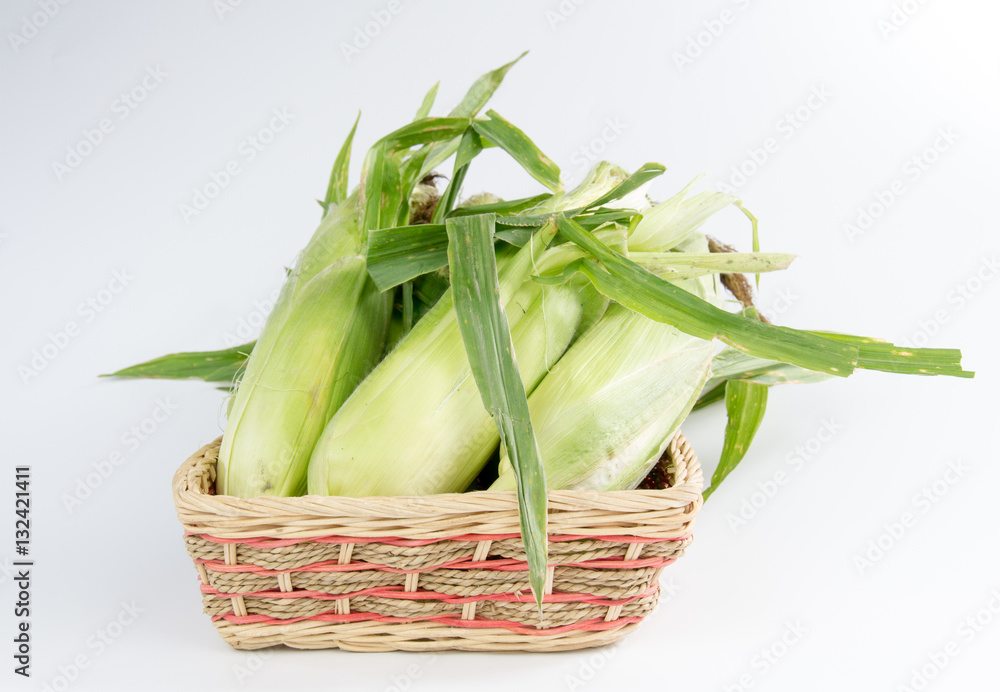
[210, 366]
[692, 264]
[427, 103]
[336, 189]
[730, 364]
[670, 223]
[756, 235]
[486, 334]
[745, 406]
[643, 175]
[482, 90]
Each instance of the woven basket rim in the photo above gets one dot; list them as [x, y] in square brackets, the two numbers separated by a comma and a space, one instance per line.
[618, 512]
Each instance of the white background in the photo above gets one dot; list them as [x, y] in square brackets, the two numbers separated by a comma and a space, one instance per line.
[195, 282]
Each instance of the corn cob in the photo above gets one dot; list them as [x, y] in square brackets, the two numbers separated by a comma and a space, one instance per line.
[609, 408]
[325, 333]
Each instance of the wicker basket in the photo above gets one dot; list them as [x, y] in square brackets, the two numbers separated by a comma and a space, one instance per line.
[432, 572]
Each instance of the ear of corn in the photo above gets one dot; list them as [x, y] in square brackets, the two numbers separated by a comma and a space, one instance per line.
[611, 405]
[609, 408]
[326, 331]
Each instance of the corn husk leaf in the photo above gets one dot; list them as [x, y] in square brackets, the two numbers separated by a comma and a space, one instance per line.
[336, 189]
[668, 223]
[686, 265]
[730, 364]
[629, 284]
[210, 366]
[486, 334]
[745, 405]
[755, 233]
[427, 103]
[643, 175]
[520, 147]
[877, 354]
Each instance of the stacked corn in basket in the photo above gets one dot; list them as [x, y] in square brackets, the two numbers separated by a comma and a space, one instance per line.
[459, 427]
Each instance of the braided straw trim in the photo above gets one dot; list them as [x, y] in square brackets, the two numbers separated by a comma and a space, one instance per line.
[525, 613]
[613, 584]
[432, 572]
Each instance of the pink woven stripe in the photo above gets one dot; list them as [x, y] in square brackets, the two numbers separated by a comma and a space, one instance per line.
[500, 565]
[397, 592]
[515, 627]
[265, 542]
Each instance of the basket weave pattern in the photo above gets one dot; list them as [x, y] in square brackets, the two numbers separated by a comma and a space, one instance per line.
[431, 572]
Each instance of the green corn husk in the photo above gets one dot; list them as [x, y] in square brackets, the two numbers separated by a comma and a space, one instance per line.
[325, 333]
[608, 409]
[667, 224]
[417, 425]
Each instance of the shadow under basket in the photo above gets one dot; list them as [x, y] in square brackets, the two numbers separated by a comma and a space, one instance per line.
[432, 572]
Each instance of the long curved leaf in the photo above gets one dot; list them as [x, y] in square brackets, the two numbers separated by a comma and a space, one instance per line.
[427, 103]
[512, 140]
[629, 284]
[745, 406]
[686, 265]
[486, 334]
[643, 175]
[336, 190]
